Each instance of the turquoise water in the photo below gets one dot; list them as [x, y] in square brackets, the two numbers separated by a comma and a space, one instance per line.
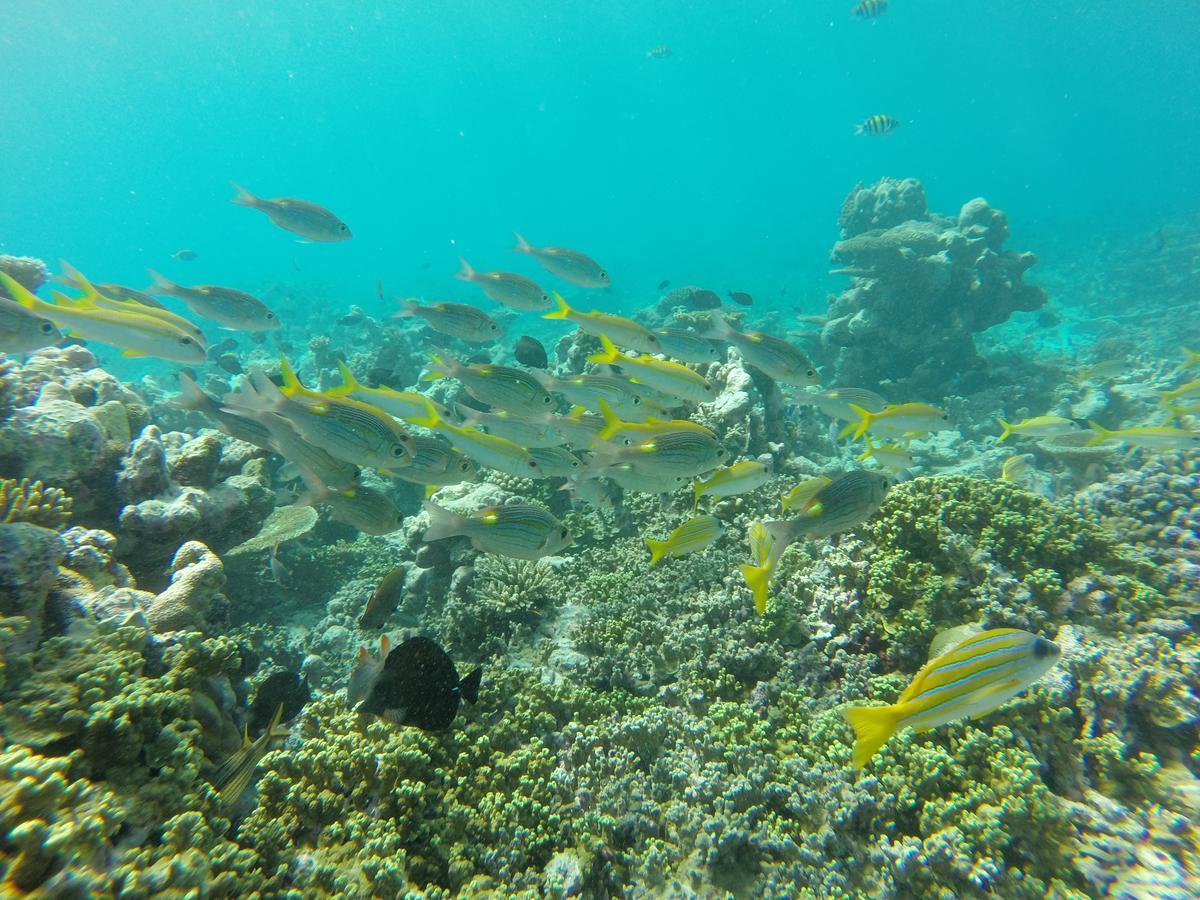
[435, 129]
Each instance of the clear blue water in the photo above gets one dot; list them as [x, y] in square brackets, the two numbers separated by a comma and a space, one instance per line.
[436, 128]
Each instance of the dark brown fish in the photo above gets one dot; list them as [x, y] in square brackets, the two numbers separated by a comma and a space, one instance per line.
[419, 686]
[664, 284]
[530, 352]
[701, 299]
[385, 599]
[741, 298]
[230, 364]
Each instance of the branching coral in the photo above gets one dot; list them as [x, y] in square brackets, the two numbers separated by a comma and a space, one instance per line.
[33, 502]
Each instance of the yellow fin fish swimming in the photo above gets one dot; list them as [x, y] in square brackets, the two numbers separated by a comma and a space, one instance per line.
[693, 535]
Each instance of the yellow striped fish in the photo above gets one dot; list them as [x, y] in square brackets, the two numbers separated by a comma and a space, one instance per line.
[660, 374]
[694, 534]
[970, 679]
[233, 777]
[739, 478]
[401, 404]
[489, 450]
[763, 555]
[620, 330]
[629, 433]
[877, 124]
[514, 390]
[803, 493]
[586, 391]
[515, 529]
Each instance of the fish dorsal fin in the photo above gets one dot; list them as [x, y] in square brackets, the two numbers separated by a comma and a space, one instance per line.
[470, 685]
[385, 646]
[245, 734]
[362, 655]
[952, 637]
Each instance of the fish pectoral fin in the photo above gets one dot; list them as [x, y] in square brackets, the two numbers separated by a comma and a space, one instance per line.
[1000, 687]
[130, 354]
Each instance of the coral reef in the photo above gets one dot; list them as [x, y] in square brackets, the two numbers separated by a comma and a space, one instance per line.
[921, 285]
[34, 503]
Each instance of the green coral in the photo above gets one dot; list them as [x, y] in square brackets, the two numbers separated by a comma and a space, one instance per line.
[34, 503]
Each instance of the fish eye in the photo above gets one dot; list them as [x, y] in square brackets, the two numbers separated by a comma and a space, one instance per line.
[637, 401]
[342, 227]
[945, 417]
[811, 373]
[397, 451]
[566, 533]
[547, 400]
[185, 340]
[270, 315]
[603, 274]
[720, 452]
[47, 328]
[533, 464]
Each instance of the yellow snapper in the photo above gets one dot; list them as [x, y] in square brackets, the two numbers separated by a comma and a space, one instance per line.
[1015, 467]
[346, 429]
[621, 331]
[803, 493]
[514, 390]
[528, 431]
[587, 391]
[569, 265]
[660, 374]
[92, 295]
[516, 530]
[900, 419]
[687, 346]
[401, 404]
[229, 308]
[283, 439]
[740, 478]
[311, 222]
[234, 775]
[508, 288]
[361, 507]
[486, 449]
[774, 357]
[136, 333]
[682, 453]
[1151, 437]
[889, 456]
[970, 679]
[836, 403]
[1191, 389]
[1038, 427]
[455, 319]
[23, 331]
[625, 433]
[693, 535]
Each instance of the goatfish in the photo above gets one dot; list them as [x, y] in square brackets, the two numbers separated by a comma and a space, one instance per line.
[455, 319]
[588, 391]
[889, 456]
[346, 429]
[233, 776]
[511, 389]
[774, 357]
[660, 374]
[900, 419]
[970, 679]
[627, 433]
[508, 288]
[877, 125]
[1177, 412]
[310, 221]
[739, 478]
[569, 265]
[399, 404]
[515, 530]
[489, 450]
[23, 331]
[135, 333]
[684, 453]
[436, 464]
[1168, 398]
[687, 346]
[93, 295]
[368, 510]
[1151, 437]
[621, 331]
[1038, 427]
[1015, 467]
[693, 535]
[229, 308]
[528, 431]
[802, 494]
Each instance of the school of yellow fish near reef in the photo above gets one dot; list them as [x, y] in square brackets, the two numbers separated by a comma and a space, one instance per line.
[619, 424]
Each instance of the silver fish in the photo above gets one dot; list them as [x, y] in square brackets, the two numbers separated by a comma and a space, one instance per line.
[311, 222]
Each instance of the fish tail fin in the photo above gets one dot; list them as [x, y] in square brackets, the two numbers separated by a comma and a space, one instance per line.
[191, 397]
[612, 422]
[243, 196]
[658, 549]
[864, 420]
[563, 310]
[1191, 358]
[79, 280]
[869, 452]
[860, 129]
[1007, 429]
[409, 310]
[439, 369]
[1173, 412]
[291, 381]
[1102, 434]
[848, 430]
[431, 419]
[442, 523]
[349, 384]
[716, 328]
[466, 273]
[758, 579]
[160, 284]
[470, 685]
[20, 293]
[698, 489]
[523, 246]
[873, 725]
[610, 355]
[315, 490]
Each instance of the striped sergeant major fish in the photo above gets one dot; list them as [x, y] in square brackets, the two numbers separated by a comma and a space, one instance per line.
[969, 679]
[878, 124]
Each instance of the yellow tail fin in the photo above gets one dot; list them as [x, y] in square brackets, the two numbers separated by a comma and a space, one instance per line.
[873, 725]
[1102, 434]
[612, 422]
[610, 355]
[432, 374]
[349, 383]
[19, 293]
[758, 579]
[869, 452]
[658, 549]
[430, 419]
[1008, 429]
[864, 421]
[563, 310]
[291, 383]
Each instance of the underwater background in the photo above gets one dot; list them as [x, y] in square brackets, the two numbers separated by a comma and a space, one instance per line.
[628, 677]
